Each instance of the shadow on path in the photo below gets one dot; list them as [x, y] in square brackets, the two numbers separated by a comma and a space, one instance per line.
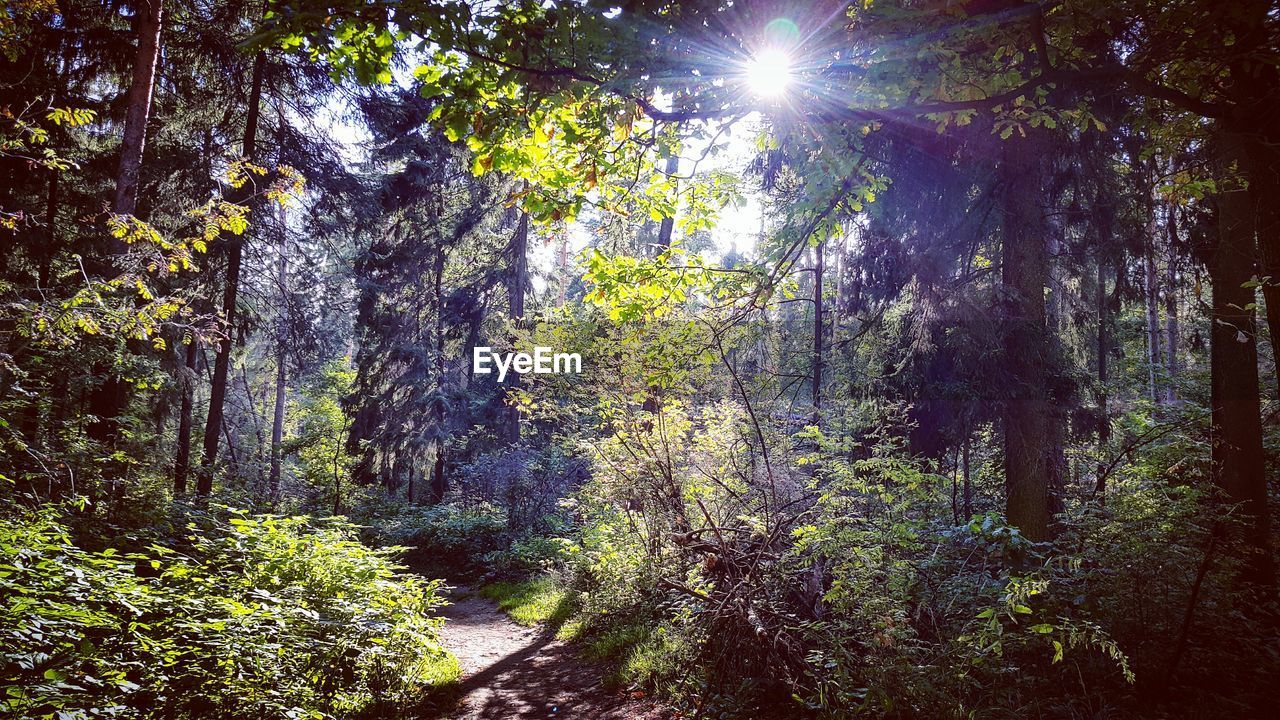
[510, 672]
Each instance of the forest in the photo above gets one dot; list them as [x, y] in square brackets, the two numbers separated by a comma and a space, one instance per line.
[639, 359]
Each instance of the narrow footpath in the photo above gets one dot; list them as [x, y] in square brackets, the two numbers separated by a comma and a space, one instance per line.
[509, 671]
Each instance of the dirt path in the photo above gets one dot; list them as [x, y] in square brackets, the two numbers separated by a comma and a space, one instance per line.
[511, 672]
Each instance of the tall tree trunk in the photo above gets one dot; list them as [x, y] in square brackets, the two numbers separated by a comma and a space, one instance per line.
[149, 22]
[43, 276]
[1238, 461]
[222, 363]
[1104, 352]
[1254, 80]
[818, 271]
[1171, 341]
[277, 419]
[182, 460]
[108, 400]
[516, 288]
[964, 464]
[44, 268]
[671, 167]
[653, 396]
[1264, 186]
[1151, 296]
[439, 478]
[1025, 271]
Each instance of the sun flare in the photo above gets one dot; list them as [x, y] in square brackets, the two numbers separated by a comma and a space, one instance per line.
[769, 73]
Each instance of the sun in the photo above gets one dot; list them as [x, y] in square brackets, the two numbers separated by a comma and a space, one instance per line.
[769, 73]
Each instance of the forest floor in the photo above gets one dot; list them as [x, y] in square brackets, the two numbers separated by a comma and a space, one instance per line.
[509, 671]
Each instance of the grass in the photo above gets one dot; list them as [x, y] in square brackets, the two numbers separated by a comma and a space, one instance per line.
[638, 652]
[540, 600]
[441, 670]
[641, 652]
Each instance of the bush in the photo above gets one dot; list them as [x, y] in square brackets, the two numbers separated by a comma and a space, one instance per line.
[527, 483]
[264, 617]
[445, 537]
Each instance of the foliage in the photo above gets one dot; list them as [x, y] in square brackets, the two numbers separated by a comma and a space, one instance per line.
[938, 381]
[532, 602]
[259, 616]
[317, 440]
[450, 537]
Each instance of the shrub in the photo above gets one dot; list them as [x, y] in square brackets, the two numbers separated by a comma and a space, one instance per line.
[264, 617]
[445, 537]
[527, 483]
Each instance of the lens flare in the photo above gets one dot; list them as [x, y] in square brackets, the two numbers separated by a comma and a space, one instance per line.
[769, 73]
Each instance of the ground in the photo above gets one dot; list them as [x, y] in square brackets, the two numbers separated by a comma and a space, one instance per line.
[511, 672]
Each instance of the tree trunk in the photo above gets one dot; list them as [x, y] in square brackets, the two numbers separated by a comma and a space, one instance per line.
[1151, 296]
[108, 401]
[182, 461]
[1171, 341]
[668, 221]
[516, 288]
[1025, 271]
[1262, 164]
[1253, 88]
[519, 269]
[277, 420]
[653, 395]
[43, 276]
[439, 479]
[1104, 352]
[149, 17]
[1238, 462]
[818, 271]
[222, 363]
[1264, 185]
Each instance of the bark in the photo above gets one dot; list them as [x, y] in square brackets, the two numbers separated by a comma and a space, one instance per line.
[108, 401]
[150, 19]
[222, 363]
[818, 270]
[280, 364]
[439, 479]
[668, 221]
[1025, 271]
[1253, 88]
[182, 460]
[1238, 461]
[278, 419]
[1104, 352]
[516, 289]
[1151, 296]
[653, 396]
[968, 486]
[1264, 186]
[51, 233]
[1171, 340]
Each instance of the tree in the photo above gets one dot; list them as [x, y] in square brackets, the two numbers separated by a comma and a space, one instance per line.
[149, 20]
[230, 290]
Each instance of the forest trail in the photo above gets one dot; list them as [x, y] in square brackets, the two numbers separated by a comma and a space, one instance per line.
[509, 671]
